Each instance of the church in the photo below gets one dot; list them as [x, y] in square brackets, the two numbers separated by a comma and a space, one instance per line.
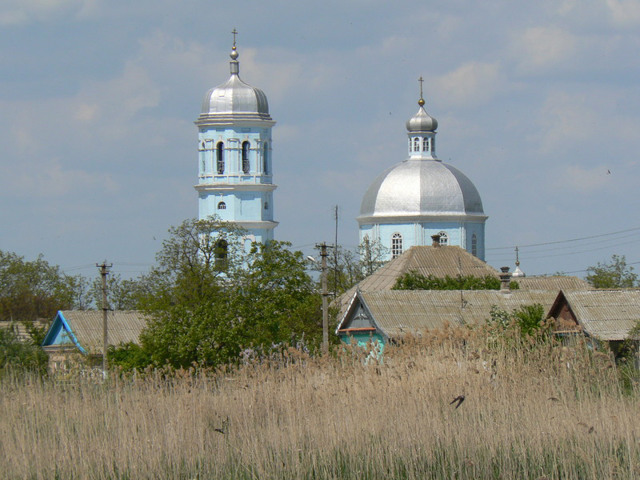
[422, 197]
[235, 168]
[407, 205]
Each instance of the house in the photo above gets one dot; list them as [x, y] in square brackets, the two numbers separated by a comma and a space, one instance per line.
[78, 334]
[21, 330]
[448, 260]
[387, 315]
[604, 315]
[381, 312]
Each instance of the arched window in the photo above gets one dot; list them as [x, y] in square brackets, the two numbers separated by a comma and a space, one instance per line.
[433, 144]
[416, 144]
[221, 254]
[265, 158]
[444, 238]
[396, 245]
[220, 158]
[425, 144]
[222, 206]
[266, 205]
[474, 245]
[245, 157]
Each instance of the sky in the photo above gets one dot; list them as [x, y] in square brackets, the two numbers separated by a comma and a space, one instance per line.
[538, 103]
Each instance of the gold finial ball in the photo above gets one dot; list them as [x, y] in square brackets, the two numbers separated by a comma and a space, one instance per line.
[421, 102]
[234, 53]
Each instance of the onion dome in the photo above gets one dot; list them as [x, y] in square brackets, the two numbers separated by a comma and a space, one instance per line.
[518, 272]
[418, 188]
[234, 100]
[421, 121]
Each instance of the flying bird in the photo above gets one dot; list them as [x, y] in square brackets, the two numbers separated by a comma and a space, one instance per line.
[459, 399]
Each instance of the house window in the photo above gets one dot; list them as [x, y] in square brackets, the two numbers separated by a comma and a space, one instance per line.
[416, 144]
[425, 144]
[474, 245]
[265, 159]
[396, 245]
[221, 252]
[220, 158]
[444, 238]
[222, 206]
[245, 157]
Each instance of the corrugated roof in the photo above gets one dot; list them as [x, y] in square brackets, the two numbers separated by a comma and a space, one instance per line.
[20, 329]
[606, 314]
[398, 312]
[452, 261]
[554, 282]
[426, 260]
[124, 326]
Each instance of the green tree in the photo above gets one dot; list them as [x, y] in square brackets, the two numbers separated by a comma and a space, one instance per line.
[615, 274]
[18, 356]
[128, 356]
[528, 319]
[416, 281]
[347, 267]
[372, 255]
[30, 290]
[122, 294]
[207, 311]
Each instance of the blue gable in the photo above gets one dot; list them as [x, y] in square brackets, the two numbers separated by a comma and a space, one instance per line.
[60, 333]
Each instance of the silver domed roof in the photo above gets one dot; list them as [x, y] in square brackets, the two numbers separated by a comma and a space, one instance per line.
[417, 188]
[234, 99]
[422, 121]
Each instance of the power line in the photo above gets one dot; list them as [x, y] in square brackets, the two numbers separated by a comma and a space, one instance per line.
[536, 255]
[566, 241]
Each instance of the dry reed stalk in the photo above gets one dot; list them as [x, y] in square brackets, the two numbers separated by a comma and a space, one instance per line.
[530, 411]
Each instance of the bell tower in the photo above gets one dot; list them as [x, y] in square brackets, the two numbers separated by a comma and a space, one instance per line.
[235, 170]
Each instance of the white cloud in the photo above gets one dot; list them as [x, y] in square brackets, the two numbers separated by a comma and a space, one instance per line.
[566, 119]
[624, 12]
[541, 48]
[18, 12]
[472, 83]
[50, 178]
[583, 180]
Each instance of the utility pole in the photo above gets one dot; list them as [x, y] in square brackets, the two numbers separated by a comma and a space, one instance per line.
[335, 256]
[325, 294]
[104, 271]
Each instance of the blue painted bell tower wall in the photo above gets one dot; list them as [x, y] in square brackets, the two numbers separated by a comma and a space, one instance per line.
[237, 188]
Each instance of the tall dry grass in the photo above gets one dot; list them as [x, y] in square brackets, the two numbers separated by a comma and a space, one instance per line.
[529, 412]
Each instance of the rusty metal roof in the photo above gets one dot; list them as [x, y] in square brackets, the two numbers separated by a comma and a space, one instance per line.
[606, 314]
[397, 312]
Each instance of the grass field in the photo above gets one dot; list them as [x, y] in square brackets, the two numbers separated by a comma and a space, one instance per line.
[541, 412]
